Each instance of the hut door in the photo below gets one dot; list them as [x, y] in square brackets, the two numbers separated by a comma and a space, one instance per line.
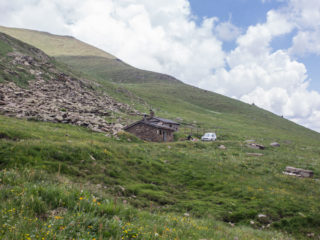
[164, 136]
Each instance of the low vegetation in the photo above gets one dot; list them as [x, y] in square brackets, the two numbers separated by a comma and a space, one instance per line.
[166, 180]
[37, 205]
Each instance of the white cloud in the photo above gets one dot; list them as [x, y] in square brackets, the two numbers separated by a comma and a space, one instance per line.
[306, 42]
[226, 31]
[272, 80]
[305, 14]
[166, 39]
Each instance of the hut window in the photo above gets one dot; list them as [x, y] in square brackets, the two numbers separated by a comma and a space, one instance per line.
[160, 132]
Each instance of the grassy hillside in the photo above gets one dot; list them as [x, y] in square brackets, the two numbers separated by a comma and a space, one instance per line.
[198, 108]
[163, 181]
[146, 89]
[55, 45]
[42, 162]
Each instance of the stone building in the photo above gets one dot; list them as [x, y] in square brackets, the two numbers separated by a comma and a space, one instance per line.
[153, 129]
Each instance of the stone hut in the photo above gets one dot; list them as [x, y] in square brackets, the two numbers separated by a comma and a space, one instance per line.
[153, 129]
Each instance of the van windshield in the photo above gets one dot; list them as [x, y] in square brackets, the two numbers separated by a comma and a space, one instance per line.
[208, 134]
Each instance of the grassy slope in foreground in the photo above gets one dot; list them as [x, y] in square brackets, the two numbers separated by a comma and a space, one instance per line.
[40, 199]
[180, 177]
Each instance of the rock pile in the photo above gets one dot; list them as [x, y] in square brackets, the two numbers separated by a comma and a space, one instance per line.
[57, 97]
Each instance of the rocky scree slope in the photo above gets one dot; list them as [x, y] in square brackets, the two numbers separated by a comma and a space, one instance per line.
[33, 87]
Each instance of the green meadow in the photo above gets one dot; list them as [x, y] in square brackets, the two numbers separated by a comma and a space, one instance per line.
[158, 181]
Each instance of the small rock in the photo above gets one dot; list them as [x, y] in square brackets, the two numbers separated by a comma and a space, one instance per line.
[310, 235]
[59, 118]
[122, 188]
[262, 216]
[222, 147]
[274, 144]
[251, 222]
[118, 126]
[95, 129]
[186, 215]
[255, 146]
[58, 211]
[255, 154]
[231, 224]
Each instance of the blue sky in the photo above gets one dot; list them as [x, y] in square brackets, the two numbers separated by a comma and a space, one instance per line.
[244, 13]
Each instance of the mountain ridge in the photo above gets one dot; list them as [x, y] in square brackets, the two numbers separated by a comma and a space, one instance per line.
[55, 45]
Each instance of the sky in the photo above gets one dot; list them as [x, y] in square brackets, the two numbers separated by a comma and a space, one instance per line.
[265, 52]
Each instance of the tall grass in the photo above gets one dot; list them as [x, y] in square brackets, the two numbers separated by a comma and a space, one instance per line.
[37, 205]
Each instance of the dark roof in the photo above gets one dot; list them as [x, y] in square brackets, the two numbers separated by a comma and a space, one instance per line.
[149, 124]
[164, 120]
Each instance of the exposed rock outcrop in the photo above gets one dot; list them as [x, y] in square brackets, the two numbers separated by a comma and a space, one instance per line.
[57, 97]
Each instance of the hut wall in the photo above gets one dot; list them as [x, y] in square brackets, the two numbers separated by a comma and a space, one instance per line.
[150, 133]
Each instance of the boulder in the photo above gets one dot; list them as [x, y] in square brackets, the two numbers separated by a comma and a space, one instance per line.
[117, 127]
[255, 146]
[299, 172]
[274, 144]
[59, 118]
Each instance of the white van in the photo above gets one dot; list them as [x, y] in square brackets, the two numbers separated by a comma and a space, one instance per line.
[209, 137]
